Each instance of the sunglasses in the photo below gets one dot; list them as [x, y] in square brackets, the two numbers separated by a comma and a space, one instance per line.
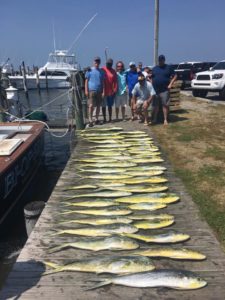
[119, 66]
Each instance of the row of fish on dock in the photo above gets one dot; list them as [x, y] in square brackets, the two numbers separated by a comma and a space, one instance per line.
[122, 185]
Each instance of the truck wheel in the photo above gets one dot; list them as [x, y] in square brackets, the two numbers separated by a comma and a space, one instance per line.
[222, 93]
[195, 93]
[203, 94]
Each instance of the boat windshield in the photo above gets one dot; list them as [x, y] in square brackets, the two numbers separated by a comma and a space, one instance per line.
[61, 57]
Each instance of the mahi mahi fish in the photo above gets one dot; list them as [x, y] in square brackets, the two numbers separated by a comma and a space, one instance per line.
[112, 146]
[99, 160]
[151, 217]
[149, 198]
[140, 189]
[148, 160]
[103, 138]
[108, 243]
[135, 139]
[174, 253]
[103, 149]
[120, 164]
[153, 224]
[148, 168]
[93, 203]
[163, 238]
[105, 230]
[147, 206]
[143, 173]
[100, 212]
[145, 180]
[174, 279]
[138, 149]
[110, 194]
[108, 177]
[104, 170]
[109, 264]
[98, 221]
[86, 186]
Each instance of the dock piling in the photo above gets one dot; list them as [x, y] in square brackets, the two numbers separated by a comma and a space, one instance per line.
[46, 78]
[77, 99]
[32, 211]
[24, 79]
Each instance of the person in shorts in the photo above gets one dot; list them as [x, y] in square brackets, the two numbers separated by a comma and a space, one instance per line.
[111, 86]
[163, 78]
[121, 95]
[94, 89]
[143, 94]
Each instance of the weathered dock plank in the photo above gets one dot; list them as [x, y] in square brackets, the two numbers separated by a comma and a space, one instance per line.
[26, 281]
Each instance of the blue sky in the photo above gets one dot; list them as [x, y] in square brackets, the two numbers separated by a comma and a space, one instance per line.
[190, 30]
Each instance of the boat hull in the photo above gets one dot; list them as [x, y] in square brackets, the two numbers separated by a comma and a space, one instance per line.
[22, 167]
[52, 83]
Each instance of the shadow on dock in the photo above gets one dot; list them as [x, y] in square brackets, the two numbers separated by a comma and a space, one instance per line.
[28, 272]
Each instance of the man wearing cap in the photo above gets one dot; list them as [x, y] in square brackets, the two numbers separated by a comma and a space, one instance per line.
[132, 79]
[94, 89]
[163, 78]
[111, 87]
[143, 93]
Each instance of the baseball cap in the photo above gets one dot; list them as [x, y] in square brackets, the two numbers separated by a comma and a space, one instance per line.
[141, 77]
[132, 63]
[97, 58]
[162, 57]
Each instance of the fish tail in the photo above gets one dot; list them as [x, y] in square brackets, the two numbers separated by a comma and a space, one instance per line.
[66, 212]
[57, 233]
[65, 204]
[102, 282]
[51, 264]
[79, 175]
[55, 266]
[57, 248]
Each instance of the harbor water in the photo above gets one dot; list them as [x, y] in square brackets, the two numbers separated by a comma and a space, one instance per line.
[55, 156]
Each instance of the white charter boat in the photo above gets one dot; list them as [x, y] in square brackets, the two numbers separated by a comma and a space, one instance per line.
[53, 74]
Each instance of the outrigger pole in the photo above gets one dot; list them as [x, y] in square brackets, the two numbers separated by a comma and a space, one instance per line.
[156, 32]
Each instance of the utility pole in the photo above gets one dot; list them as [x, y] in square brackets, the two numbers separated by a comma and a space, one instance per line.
[156, 32]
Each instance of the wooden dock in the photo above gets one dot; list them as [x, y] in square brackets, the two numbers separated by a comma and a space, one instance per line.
[26, 281]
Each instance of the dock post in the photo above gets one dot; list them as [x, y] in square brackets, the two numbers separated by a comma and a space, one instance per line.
[37, 80]
[2, 114]
[32, 211]
[24, 79]
[46, 79]
[77, 99]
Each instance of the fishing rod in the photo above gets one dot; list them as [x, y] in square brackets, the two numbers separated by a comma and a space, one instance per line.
[83, 29]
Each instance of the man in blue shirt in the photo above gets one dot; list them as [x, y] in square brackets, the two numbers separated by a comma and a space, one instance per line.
[132, 79]
[94, 89]
[163, 78]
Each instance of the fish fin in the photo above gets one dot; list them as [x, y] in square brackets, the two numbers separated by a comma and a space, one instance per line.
[101, 283]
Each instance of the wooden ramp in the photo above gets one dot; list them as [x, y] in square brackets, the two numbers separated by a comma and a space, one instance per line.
[26, 281]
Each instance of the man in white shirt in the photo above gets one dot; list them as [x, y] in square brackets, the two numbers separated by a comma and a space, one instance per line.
[143, 93]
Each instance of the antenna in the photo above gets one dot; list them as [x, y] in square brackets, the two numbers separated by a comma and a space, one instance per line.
[79, 35]
[106, 54]
[53, 29]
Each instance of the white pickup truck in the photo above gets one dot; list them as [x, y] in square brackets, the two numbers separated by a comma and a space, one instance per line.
[210, 81]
